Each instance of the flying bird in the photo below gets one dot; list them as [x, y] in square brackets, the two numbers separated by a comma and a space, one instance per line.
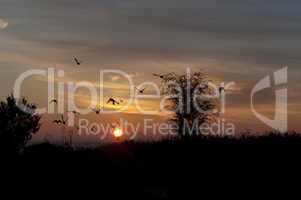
[74, 112]
[113, 101]
[162, 76]
[78, 62]
[57, 121]
[60, 121]
[141, 91]
[53, 101]
[158, 75]
[96, 110]
[94, 129]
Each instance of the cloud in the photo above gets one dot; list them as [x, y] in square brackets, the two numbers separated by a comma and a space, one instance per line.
[3, 24]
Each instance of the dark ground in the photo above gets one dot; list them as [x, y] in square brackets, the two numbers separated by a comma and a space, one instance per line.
[183, 169]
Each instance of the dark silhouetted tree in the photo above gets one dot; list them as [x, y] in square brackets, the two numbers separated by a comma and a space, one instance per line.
[188, 98]
[17, 124]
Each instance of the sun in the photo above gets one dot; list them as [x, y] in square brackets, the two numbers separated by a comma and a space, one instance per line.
[117, 132]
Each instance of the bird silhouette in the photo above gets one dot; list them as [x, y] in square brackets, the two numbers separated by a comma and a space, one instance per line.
[163, 76]
[57, 121]
[141, 91]
[78, 62]
[96, 110]
[53, 101]
[158, 75]
[113, 101]
[94, 129]
[74, 112]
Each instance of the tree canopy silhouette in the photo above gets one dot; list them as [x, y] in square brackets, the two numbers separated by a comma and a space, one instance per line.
[188, 98]
[17, 124]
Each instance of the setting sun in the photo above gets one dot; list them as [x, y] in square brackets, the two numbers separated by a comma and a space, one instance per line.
[117, 132]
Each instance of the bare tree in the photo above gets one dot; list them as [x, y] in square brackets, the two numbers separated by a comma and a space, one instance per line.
[189, 98]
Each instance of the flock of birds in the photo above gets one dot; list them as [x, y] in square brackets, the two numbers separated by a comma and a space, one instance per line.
[111, 100]
[62, 120]
[97, 110]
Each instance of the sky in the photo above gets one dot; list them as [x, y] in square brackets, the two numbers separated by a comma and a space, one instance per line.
[240, 41]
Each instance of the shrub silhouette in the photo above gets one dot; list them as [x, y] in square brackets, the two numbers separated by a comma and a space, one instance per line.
[17, 124]
[187, 99]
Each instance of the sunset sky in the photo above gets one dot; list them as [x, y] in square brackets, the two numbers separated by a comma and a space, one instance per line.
[240, 41]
